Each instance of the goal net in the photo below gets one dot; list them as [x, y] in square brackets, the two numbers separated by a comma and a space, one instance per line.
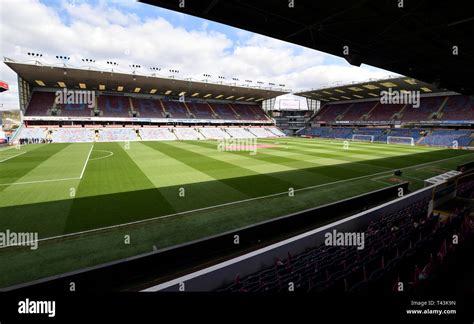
[363, 138]
[401, 140]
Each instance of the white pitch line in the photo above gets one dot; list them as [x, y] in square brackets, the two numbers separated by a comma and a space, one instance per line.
[424, 168]
[8, 148]
[234, 202]
[382, 182]
[85, 164]
[52, 180]
[37, 181]
[102, 157]
[414, 178]
[11, 157]
[384, 176]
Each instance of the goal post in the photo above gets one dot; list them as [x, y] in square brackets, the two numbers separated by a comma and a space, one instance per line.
[401, 140]
[363, 138]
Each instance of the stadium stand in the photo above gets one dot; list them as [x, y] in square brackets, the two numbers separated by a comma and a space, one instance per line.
[358, 110]
[186, 133]
[447, 137]
[405, 246]
[384, 112]
[261, 132]
[428, 106]
[200, 110]
[74, 110]
[238, 132]
[157, 134]
[148, 107]
[114, 106]
[453, 108]
[402, 132]
[40, 104]
[117, 134]
[458, 108]
[437, 137]
[465, 187]
[176, 109]
[68, 135]
[224, 111]
[376, 132]
[32, 132]
[249, 112]
[147, 133]
[329, 112]
[341, 133]
[213, 133]
[276, 131]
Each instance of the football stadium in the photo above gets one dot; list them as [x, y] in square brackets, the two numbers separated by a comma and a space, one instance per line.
[146, 181]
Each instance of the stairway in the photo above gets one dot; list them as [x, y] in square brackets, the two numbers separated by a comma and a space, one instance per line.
[190, 114]
[370, 111]
[214, 115]
[399, 114]
[439, 112]
[236, 114]
[164, 112]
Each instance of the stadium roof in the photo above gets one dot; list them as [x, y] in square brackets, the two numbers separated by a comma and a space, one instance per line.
[369, 89]
[416, 40]
[41, 75]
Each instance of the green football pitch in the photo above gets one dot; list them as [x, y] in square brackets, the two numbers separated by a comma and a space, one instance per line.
[83, 198]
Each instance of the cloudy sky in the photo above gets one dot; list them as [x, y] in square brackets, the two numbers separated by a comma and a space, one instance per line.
[129, 32]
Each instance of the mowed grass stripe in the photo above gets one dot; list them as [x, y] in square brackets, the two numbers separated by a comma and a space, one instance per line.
[362, 145]
[243, 160]
[306, 173]
[337, 153]
[50, 180]
[171, 176]
[40, 207]
[65, 164]
[357, 162]
[14, 169]
[399, 161]
[248, 182]
[113, 191]
[357, 148]
[260, 159]
[391, 150]
[293, 171]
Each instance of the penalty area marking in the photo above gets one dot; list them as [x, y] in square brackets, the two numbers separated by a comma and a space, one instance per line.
[237, 202]
[102, 157]
[11, 157]
[87, 160]
[51, 180]
[37, 181]
[8, 148]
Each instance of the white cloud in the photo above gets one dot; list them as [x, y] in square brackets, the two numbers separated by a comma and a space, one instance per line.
[105, 31]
